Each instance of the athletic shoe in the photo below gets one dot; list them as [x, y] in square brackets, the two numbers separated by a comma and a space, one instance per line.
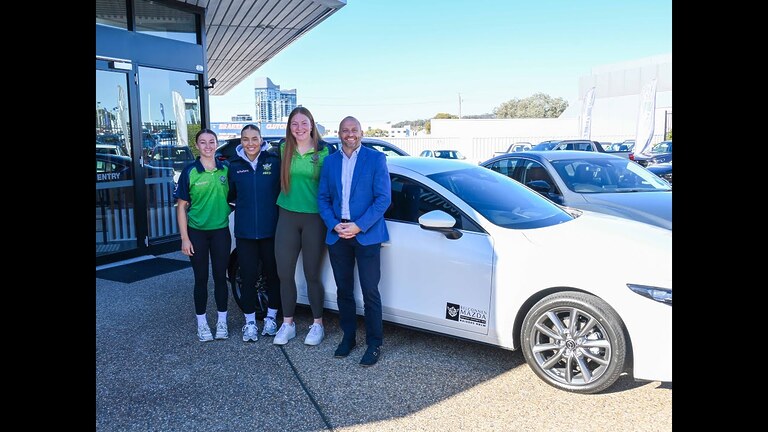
[204, 333]
[250, 332]
[222, 332]
[270, 327]
[315, 335]
[286, 333]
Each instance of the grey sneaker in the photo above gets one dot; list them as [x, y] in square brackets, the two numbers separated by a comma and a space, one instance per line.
[315, 335]
[286, 333]
[250, 332]
[204, 333]
[270, 327]
[222, 332]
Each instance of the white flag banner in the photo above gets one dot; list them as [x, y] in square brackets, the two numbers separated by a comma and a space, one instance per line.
[645, 118]
[181, 118]
[122, 113]
[586, 114]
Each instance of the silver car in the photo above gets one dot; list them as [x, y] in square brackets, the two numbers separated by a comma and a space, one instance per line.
[592, 181]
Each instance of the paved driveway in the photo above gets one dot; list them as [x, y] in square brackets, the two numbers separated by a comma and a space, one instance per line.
[153, 375]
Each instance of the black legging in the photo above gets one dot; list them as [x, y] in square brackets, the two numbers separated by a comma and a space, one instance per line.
[216, 245]
[249, 253]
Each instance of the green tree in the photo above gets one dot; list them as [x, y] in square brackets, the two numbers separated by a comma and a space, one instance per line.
[669, 134]
[539, 105]
[192, 130]
[376, 133]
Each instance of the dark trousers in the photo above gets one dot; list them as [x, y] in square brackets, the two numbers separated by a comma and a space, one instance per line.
[343, 254]
[250, 252]
[213, 245]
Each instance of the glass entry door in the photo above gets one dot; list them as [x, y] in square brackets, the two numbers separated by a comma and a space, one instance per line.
[115, 203]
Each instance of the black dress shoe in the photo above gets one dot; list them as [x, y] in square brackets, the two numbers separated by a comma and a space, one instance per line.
[371, 356]
[344, 348]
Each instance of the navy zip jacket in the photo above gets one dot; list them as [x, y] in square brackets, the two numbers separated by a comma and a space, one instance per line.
[254, 194]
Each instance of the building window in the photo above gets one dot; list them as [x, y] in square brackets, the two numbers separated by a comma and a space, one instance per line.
[112, 13]
[162, 21]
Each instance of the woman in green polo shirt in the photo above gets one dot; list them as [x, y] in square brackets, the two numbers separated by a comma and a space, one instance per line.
[299, 226]
[203, 216]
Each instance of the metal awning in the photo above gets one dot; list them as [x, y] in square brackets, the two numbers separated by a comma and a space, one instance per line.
[241, 35]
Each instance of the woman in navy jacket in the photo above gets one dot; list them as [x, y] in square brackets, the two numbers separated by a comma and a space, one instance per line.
[254, 184]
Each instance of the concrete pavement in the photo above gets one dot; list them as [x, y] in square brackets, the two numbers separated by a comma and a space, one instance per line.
[153, 375]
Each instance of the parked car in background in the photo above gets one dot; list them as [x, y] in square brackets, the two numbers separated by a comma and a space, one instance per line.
[659, 153]
[580, 145]
[113, 168]
[385, 147]
[228, 148]
[443, 154]
[592, 181]
[477, 256]
[176, 157]
[114, 149]
[516, 147]
[545, 145]
[663, 170]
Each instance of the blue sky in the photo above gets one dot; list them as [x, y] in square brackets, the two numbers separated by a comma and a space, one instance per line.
[395, 60]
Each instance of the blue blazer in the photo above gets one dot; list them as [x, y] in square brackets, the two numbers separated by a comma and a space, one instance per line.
[370, 195]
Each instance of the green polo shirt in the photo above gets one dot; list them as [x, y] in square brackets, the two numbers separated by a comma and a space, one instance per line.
[305, 177]
[206, 192]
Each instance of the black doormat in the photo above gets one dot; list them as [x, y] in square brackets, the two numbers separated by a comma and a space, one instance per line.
[133, 272]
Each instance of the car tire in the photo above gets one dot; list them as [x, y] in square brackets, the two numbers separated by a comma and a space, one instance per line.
[236, 283]
[590, 360]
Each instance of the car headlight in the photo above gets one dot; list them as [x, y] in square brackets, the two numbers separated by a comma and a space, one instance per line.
[661, 295]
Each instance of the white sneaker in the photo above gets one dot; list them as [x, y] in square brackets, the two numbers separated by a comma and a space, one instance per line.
[315, 335]
[286, 333]
[250, 332]
[222, 332]
[270, 327]
[204, 333]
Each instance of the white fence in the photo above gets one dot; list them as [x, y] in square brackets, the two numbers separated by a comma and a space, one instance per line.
[482, 148]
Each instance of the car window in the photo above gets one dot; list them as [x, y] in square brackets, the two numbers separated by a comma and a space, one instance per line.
[506, 167]
[386, 150]
[532, 171]
[411, 199]
[501, 200]
[607, 175]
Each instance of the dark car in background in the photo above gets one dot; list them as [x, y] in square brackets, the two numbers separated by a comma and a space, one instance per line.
[659, 153]
[113, 168]
[598, 182]
[171, 156]
[663, 170]
[227, 148]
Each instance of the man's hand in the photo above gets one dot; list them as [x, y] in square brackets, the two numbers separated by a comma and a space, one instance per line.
[347, 230]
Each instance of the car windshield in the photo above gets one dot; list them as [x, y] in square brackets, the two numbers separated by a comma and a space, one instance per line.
[600, 175]
[662, 147]
[501, 200]
[545, 146]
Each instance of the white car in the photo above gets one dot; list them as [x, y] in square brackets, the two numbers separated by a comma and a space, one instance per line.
[476, 255]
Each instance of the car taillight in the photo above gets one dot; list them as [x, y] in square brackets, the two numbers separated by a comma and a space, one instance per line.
[631, 156]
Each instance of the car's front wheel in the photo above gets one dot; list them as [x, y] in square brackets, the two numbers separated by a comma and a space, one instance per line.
[575, 342]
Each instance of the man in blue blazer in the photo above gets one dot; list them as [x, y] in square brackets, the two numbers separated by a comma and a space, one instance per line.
[353, 194]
